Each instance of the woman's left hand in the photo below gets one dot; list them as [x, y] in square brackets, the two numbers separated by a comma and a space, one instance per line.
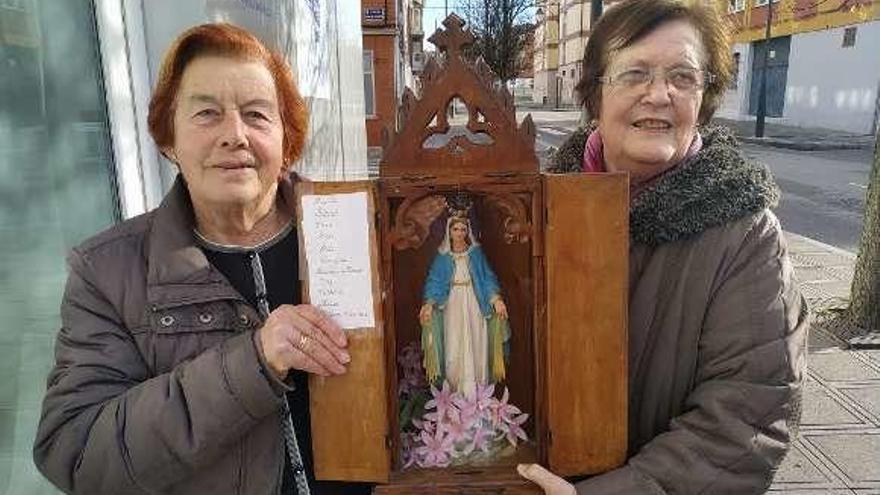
[500, 308]
[549, 482]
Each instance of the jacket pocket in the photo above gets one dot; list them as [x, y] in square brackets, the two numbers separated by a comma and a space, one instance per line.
[177, 334]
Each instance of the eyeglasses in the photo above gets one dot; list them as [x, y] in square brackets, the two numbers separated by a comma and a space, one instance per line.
[683, 79]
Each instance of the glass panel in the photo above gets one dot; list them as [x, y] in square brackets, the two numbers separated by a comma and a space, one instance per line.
[56, 188]
[368, 61]
[368, 95]
[369, 109]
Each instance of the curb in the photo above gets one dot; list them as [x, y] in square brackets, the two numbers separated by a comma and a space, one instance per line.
[865, 342]
[821, 245]
[803, 145]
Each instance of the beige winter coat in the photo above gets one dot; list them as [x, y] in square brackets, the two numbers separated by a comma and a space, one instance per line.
[717, 329]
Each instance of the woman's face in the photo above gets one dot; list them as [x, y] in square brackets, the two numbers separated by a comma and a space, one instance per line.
[648, 128]
[458, 232]
[228, 133]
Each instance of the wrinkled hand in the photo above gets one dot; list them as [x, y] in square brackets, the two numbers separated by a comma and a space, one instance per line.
[426, 312]
[549, 482]
[501, 309]
[302, 337]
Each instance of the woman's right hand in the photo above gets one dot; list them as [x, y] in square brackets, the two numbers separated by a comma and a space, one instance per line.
[303, 337]
[426, 312]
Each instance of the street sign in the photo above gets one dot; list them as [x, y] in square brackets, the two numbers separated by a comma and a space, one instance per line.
[374, 15]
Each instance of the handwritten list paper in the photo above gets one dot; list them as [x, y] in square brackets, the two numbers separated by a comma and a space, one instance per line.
[337, 249]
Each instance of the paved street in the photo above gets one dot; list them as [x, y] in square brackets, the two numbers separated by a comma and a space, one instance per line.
[823, 191]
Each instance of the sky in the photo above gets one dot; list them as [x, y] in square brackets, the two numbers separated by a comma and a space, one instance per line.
[433, 16]
[435, 12]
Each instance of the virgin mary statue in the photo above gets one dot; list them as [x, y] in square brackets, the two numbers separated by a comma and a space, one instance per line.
[464, 319]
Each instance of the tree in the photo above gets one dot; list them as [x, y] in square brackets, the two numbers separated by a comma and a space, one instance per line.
[864, 305]
[503, 31]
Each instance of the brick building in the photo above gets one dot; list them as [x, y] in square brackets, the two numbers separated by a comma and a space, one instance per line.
[392, 43]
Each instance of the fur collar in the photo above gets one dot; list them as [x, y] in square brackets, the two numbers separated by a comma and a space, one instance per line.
[717, 186]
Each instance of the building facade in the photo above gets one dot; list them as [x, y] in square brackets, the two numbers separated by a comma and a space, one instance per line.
[546, 54]
[574, 29]
[76, 157]
[416, 38]
[390, 37]
[823, 67]
[560, 38]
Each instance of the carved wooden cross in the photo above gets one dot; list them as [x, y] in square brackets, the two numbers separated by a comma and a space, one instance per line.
[454, 38]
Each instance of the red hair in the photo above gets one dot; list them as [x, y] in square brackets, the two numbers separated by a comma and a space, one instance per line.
[226, 40]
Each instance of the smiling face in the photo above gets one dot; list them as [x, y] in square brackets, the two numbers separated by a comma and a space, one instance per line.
[647, 129]
[228, 133]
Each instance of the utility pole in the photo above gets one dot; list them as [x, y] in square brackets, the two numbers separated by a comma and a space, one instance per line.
[595, 12]
[762, 92]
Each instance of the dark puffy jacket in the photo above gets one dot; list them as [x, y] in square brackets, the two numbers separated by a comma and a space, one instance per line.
[158, 386]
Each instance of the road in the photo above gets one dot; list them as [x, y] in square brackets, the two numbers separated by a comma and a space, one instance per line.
[823, 192]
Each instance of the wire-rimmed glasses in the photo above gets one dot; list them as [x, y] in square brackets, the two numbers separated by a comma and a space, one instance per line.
[682, 79]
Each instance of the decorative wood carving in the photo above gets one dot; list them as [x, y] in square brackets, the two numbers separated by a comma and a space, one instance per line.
[416, 214]
[413, 220]
[517, 228]
[491, 112]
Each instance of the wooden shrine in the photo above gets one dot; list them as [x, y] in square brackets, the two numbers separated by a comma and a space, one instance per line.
[557, 246]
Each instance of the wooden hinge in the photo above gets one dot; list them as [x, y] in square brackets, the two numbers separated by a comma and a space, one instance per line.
[501, 174]
[418, 178]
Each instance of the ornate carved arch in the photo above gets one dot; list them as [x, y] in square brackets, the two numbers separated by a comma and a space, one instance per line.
[412, 222]
[490, 111]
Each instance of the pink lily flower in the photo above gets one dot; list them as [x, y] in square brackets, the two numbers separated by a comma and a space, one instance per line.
[442, 400]
[436, 450]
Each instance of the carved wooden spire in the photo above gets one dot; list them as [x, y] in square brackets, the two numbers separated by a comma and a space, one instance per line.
[488, 141]
[454, 38]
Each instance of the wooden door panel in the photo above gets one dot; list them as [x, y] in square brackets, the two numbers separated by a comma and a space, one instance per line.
[349, 413]
[586, 259]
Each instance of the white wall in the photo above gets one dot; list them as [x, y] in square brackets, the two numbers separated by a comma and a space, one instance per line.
[834, 87]
[735, 104]
[324, 49]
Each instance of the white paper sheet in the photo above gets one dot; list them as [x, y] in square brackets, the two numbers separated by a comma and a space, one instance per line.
[336, 239]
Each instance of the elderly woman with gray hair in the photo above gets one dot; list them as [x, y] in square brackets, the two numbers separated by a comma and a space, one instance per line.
[717, 327]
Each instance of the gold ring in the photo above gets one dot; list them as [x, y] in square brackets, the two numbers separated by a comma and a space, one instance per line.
[303, 342]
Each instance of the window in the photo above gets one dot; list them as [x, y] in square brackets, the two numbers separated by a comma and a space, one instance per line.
[369, 85]
[736, 6]
[849, 37]
[734, 80]
[57, 180]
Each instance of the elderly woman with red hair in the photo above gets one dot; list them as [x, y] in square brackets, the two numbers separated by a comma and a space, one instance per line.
[182, 359]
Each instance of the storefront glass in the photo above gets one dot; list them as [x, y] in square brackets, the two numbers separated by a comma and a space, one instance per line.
[57, 187]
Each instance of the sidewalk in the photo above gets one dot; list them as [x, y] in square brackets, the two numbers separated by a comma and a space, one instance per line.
[838, 450]
[797, 138]
[775, 134]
